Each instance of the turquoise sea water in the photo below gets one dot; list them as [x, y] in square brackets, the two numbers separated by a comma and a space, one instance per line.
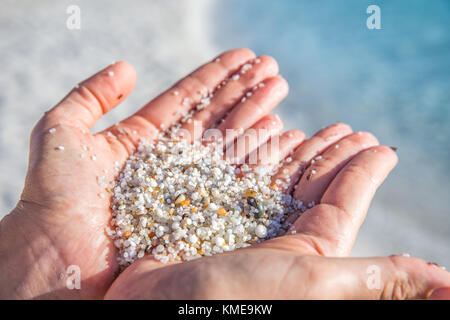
[393, 82]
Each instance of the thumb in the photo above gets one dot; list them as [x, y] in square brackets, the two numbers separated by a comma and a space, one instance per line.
[95, 96]
[394, 277]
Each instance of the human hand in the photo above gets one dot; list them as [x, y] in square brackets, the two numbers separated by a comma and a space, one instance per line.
[337, 170]
[52, 228]
[64, 209]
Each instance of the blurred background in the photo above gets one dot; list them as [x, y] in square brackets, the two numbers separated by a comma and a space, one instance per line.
[393, 82]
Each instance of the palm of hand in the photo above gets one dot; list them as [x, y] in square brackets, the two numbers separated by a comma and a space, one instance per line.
[72, 220]
[75, 218]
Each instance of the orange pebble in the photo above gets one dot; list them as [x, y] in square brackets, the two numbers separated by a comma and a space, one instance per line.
[127, 234]
[186, 203]
[222, 212]
[250, 193]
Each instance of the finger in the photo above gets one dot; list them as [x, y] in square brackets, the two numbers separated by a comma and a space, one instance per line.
[169, 107]
[332, 225]
[325, 167]
[95, 96]
[395, 277]
[252, 138]
[234, 92]
[277, 148]
[250, 110]
[301, 157]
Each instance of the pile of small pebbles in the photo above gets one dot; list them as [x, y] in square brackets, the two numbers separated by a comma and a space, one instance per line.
[181, 201]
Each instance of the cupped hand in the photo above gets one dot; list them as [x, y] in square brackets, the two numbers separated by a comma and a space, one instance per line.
[64, 209]
[336, 172]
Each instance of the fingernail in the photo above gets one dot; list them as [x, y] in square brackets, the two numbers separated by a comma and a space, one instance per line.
[437, 265]
[394, 148]
[407, 255]
[440, 294]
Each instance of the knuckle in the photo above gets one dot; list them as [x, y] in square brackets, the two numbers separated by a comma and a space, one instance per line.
[353, 169]
[399, 285]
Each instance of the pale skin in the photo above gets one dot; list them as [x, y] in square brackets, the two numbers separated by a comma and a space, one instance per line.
[61, 217]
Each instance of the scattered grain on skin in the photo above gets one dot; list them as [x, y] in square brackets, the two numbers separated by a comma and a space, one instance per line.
[246, 67]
